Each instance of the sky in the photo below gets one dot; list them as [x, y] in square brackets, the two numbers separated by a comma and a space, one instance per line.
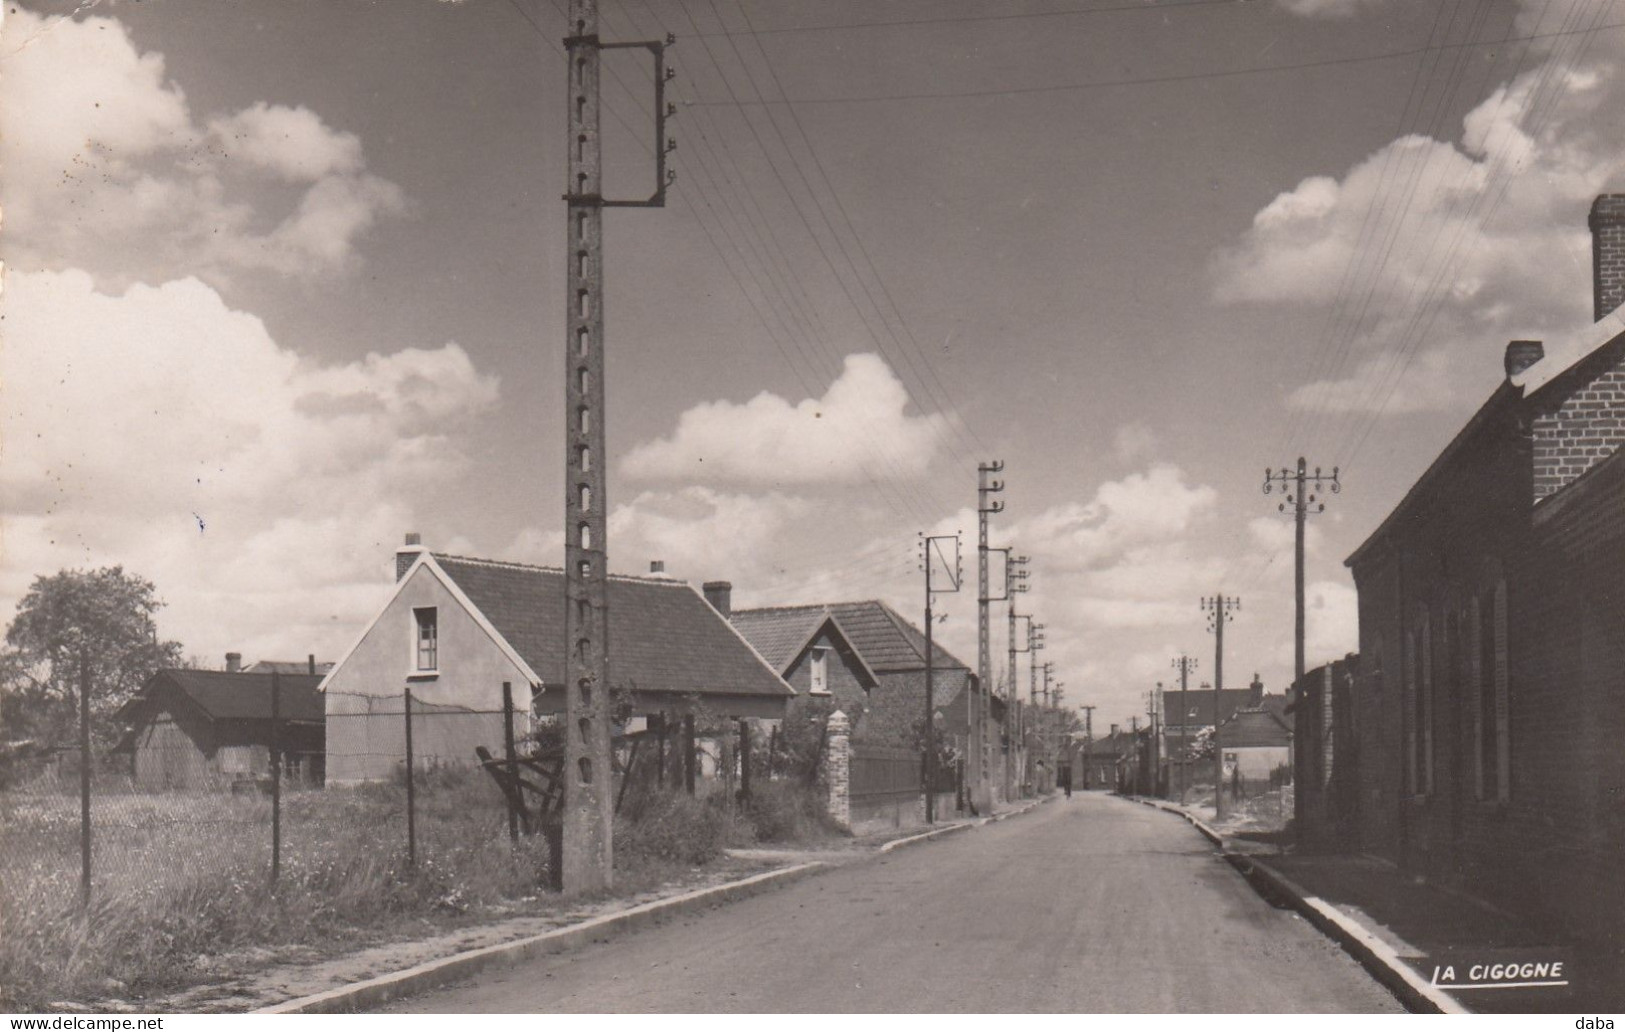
[283, 283]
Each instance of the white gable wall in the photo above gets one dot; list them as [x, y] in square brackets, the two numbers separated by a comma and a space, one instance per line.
[455, 710]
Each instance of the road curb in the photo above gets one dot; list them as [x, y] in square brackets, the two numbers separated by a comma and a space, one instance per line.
[961, 826]
[1376, 956]
[379, 990]
[928, 835]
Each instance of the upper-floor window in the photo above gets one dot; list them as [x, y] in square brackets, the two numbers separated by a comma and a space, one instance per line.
[819, 670]
[427, 624]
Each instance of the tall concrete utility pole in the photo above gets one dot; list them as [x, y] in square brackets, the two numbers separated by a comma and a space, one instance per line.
[1303, 505]
[1015, 583]
[1184, 664]
[1220, 611]
[587, 855]
[981, 708]
[1035, 641]
[932, 545]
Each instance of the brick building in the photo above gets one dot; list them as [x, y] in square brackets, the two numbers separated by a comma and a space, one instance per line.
[1486, 714]
[887, 654]
[1325, 760]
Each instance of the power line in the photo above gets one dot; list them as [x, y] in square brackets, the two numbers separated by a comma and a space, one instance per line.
[967, 19]
[1145, 80]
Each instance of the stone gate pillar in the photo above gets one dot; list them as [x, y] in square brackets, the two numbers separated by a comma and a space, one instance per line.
[838, 768]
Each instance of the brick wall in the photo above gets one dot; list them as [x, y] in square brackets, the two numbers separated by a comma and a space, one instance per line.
[897, 704]
[1581, 423]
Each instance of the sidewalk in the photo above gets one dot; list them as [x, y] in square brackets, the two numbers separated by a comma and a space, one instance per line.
[1389, 918]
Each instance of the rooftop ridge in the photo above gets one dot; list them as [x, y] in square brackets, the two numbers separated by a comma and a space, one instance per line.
[809, 605]
[509, 564]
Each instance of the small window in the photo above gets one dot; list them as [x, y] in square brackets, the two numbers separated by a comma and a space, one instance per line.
[820, 671]
[428, 638]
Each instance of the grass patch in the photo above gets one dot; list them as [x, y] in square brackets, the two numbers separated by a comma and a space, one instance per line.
[181, 880]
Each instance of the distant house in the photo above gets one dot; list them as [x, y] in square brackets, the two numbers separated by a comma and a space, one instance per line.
[454, 629]
[1110, 761]
[1187, 714]
[884, 647]
[1255, 742]
[195, 729]
[1487, 713]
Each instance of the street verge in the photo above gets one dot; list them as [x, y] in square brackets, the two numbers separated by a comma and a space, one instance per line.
[374, 992]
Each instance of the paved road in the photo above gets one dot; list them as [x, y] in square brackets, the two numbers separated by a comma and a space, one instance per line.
[1089, 904]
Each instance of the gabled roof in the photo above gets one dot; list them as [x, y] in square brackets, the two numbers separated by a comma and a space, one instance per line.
[286, 666]
[883, 639]
[781, 636]
[1563, 357]
[1252, 729]
[1198, 708]
[663, 635]
[218, 695]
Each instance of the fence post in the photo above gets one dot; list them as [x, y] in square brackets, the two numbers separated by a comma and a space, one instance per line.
[838, 768]
[660, 749]
[411, 801]
[744, 760]
[84, 781]
[276, 776]
[688, 753]
[512, 768]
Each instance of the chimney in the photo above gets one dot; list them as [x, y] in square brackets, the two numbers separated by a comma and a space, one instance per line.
[657, 566]
[408, 554]
[1607, 253]
[234, 662]
[720, 594]
[1114, 731]
[1255, 696]
[1521, 354]
[312, 664]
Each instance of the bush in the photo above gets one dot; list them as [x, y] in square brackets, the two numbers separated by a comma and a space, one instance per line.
[788, 811]
[676, 827]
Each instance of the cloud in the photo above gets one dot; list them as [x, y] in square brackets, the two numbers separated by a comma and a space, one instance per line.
[859, 429]
[261, 492]
[1328, 8]
[1429, 254]
[108, 170]
[1134, 442]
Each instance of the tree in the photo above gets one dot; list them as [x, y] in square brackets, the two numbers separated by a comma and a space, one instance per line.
[103, 618]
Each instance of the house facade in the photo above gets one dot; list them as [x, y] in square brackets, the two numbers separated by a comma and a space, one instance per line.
[885, 649]
[1486, 711]
[454, 630]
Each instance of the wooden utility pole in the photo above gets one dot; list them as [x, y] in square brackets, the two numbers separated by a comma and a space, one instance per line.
[1220, 611]
[1184, 664]
[1304, 504]
[1088, 743]
[589, 806]
[980, 708]
[931, 544]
